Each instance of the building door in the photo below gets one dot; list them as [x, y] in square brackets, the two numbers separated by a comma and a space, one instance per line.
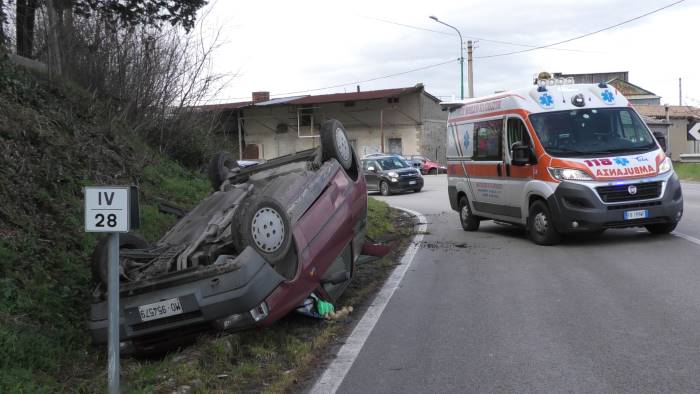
[395, 146]
[251, 152]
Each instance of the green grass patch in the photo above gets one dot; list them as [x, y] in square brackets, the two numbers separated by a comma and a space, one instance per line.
[379, 219]
[687, 171]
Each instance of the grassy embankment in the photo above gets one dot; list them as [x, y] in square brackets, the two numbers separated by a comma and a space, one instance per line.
[53, 141]
[688, 171]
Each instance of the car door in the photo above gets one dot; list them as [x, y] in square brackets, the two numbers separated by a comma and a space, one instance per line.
[371, 176]
[486, 171]
[516, 177]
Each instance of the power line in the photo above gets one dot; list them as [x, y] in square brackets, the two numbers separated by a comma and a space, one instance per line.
[352, 83]
[467, 35]
[583, 35]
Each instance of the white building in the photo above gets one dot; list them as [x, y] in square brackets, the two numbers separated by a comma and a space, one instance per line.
[404, 120]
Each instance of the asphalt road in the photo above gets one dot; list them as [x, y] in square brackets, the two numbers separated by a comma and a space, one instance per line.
[492, 312]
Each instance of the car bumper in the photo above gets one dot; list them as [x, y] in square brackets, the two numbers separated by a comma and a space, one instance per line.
[578, 208]
[405, 185]
[221, 301]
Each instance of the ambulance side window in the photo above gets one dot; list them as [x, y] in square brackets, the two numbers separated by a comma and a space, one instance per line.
[451, 141]
[460, 140]
[517, 132]
[487, 140]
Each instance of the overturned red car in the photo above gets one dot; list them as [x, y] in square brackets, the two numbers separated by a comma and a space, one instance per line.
[268, 236]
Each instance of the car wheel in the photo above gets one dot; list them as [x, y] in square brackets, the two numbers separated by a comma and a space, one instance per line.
[433, 171]
[540, 225]
[418, 190]
[219, 168]
[335, 143]
[100, 256]
[384, 188]
[661, 228]
[469, 221]
[266, 227]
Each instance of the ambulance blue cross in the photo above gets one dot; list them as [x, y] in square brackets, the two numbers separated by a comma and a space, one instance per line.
[607, 96]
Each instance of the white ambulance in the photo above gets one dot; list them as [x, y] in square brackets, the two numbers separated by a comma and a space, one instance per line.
[558, 158]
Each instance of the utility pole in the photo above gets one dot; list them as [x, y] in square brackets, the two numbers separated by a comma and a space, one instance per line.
[470, 68]
[680, 92]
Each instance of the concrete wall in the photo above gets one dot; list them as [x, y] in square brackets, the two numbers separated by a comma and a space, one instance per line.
[415, 119]
[678, 141]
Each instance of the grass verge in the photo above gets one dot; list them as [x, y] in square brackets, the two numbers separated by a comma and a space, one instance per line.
[687, 171]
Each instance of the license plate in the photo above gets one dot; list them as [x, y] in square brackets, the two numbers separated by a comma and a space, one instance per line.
[159, 310]
[640, 214]
[411, 182]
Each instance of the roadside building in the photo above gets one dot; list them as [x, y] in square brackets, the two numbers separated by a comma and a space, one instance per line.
[675, 119]
[620, 80]
[403, 120]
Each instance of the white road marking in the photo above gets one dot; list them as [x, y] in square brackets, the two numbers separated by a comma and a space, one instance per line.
[687, 237]
[335, 373]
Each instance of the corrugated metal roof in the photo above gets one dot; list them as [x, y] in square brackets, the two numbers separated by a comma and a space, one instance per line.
[326, 98]
[280, 100]
[674, 111]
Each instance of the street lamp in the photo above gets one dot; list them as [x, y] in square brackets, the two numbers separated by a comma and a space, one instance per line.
[461, 52]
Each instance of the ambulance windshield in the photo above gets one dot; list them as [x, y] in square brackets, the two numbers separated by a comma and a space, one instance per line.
[589, 132]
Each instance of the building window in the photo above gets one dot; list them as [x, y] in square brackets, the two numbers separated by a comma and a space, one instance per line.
[306, 115]
[392, 100]
[395, 146]
[349, 104]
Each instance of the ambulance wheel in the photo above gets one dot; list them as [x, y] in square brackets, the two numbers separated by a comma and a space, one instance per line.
[540, 225]
[661, 228]
[335, 143]
[469, 221]
[384, 188]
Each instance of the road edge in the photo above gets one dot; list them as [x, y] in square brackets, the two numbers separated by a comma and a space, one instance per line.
[335, 373]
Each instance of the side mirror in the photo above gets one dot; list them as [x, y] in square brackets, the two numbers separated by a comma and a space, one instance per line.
[522, 155]
[371, 168]
[661, 138]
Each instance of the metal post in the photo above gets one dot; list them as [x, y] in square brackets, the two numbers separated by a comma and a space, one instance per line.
[381, 128]
[240, 137]
[461, 54]
[470, 68]
[113, 301]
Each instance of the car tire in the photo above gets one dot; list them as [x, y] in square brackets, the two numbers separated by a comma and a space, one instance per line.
[219, 168]
[418, 190]
[100, 257]
[661, 228]
[467, 219]
[265, 226]
[384, 188]
[335, 143]
[540, 225]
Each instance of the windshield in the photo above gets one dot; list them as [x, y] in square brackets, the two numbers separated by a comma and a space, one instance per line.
[594, 131]
[391, 163]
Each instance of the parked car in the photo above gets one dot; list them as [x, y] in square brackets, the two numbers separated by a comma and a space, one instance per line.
[269, 236]
[390, 174]
[427, 166]
[383, 154]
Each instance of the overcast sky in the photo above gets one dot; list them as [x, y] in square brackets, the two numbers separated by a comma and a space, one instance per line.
[289, 46]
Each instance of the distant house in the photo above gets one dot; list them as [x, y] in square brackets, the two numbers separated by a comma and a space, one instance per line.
[620, 80]
[402, 120]
[673, 121]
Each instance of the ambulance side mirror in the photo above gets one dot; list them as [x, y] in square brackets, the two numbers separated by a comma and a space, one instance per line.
[522, 155]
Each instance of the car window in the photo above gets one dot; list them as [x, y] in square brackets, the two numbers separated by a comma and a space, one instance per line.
[517, 132]
[391, 163]
[488, 139]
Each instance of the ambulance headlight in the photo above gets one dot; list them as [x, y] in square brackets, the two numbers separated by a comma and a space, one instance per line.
[665, 165]
[569, 174]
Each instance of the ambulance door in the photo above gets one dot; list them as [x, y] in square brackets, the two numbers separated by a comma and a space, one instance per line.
[516, 176]
[486, 169]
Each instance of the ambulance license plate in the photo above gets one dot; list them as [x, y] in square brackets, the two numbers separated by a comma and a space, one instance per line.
[411, 182]
[640, 214]
[159, 310]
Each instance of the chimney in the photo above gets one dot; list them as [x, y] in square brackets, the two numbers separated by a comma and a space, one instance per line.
[260, 96]
[358, 88]
[666, 112]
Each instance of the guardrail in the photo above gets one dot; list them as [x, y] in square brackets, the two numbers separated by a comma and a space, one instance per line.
[690, 157]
